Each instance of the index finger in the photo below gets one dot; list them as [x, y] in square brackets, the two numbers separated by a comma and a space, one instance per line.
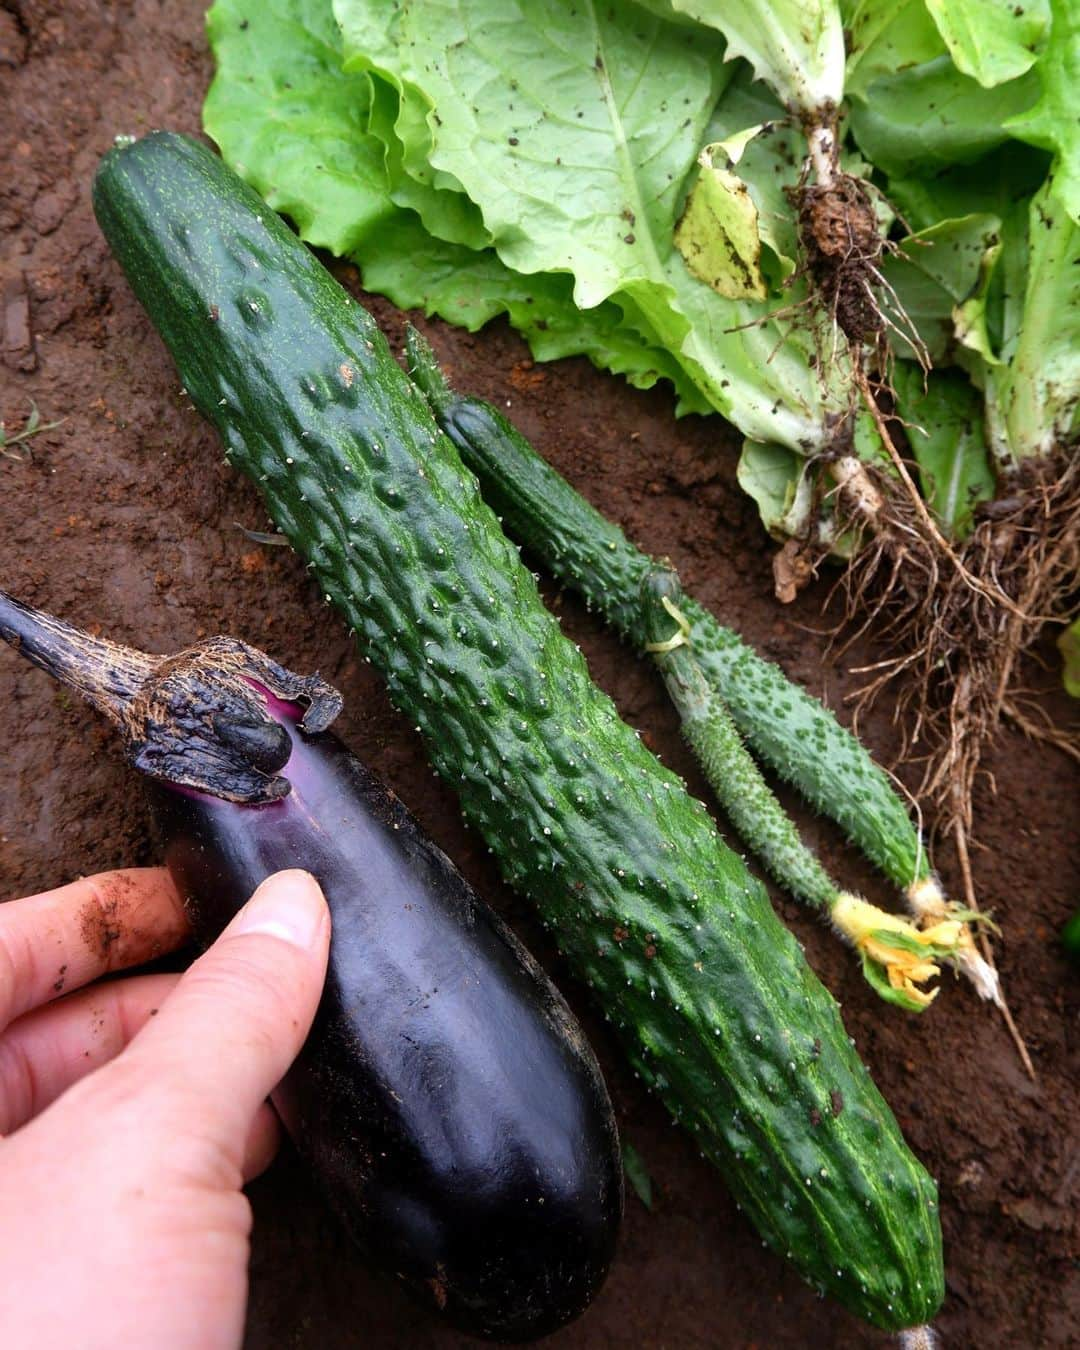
[60, 940]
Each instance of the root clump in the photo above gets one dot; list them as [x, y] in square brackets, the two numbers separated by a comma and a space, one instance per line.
[960, 615]
[961, 620]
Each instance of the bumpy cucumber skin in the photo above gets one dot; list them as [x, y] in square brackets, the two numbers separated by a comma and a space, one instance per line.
[748, 801]
[712, 995]
[788, 728]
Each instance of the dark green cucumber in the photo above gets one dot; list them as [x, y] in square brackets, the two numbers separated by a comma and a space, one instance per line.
[713, 998]
[885, 942]
[750, 804]
[789, 729]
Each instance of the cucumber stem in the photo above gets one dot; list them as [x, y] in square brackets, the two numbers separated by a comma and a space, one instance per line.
[425, 371]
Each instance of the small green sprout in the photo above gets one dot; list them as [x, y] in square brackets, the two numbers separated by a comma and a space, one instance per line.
[34, 426]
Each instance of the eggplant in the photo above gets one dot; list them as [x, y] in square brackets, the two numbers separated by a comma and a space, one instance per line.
[446, 1101]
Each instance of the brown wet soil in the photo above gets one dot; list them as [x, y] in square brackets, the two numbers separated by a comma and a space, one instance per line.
[125, 521]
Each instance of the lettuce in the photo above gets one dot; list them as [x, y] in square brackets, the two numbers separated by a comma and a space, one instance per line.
[1032, 389]
[795, 46]
[989, 41]
[297, 126]
[1052, 122]
[619, 181]
[927, 117]
[576, 132]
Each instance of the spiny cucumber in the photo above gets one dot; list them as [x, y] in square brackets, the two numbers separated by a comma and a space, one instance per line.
[897, 957]
[711, 995]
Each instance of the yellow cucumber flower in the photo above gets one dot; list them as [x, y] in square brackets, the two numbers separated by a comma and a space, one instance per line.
[898, 957]
[927, 902]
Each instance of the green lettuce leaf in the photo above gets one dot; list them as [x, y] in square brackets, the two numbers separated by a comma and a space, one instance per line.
[934, 273]
[292, 122]
[943, 417]
[533, 108]
[1033, 398]
[777, 479]
[296, 126]
[1018, 329]
[929, 116]
[1053, 122]
[541, 160]
[468, 288]
[1001, 185]
[989, 40]
[992, 185]
[575, 130]
[795, 46]
[445, 212]
[885, 37]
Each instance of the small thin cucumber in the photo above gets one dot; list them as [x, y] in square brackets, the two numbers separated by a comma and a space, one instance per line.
[748, 801]
[897, 956]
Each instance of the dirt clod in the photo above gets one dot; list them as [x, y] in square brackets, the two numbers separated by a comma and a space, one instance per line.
[19, 352]
[842, 246]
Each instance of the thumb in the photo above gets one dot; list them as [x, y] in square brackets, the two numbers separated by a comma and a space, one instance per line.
[226, 1035]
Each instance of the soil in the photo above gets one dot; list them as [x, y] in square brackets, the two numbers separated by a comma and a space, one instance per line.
[125, 520]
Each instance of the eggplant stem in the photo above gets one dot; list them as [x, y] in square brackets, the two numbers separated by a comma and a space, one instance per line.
[105, 674]
[198, 719]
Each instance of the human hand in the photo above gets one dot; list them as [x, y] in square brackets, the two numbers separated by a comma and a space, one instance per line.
[135, 1110]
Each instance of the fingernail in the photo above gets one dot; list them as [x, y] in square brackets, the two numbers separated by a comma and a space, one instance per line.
[288, 905]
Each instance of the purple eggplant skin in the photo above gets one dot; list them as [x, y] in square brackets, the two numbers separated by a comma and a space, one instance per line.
[446, 1099]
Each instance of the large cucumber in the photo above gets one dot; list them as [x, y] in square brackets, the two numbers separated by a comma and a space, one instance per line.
[713, 998]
